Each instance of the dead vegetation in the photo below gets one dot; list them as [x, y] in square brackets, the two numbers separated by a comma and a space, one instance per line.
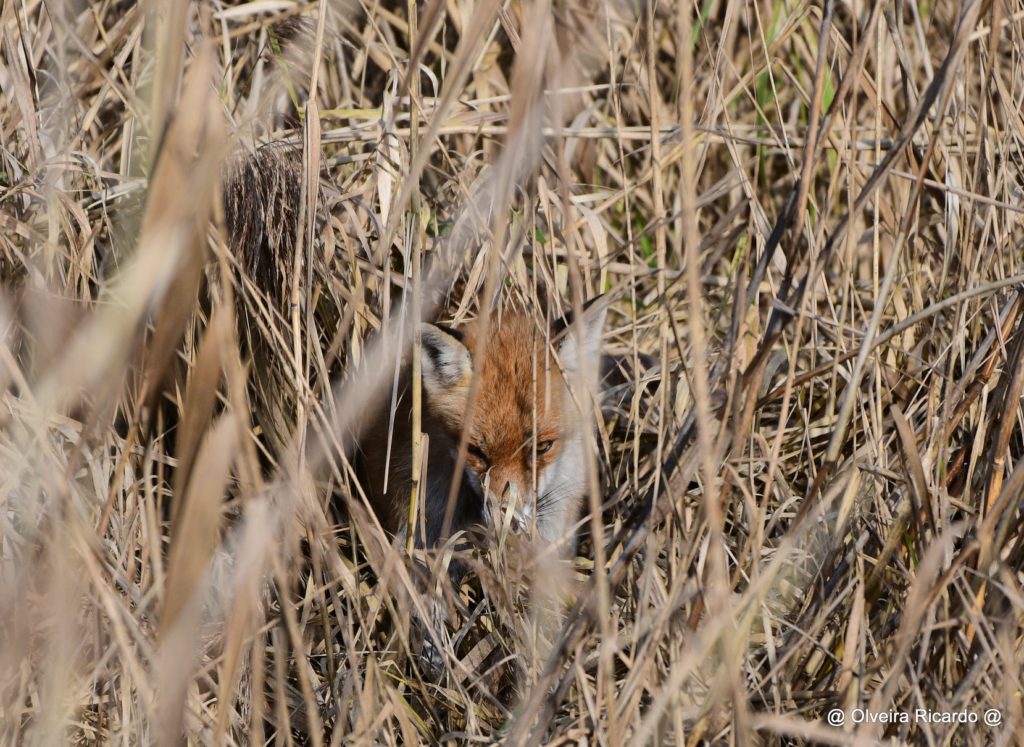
[810, 478]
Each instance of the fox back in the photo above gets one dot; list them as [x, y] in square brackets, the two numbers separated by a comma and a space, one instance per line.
[525, 429]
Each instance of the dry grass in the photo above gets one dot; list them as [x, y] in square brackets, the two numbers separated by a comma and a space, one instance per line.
[810, 483]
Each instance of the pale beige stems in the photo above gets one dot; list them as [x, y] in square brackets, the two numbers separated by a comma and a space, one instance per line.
[956, 53]
[305, 234]
[417, 441]
[169, 32]
[461, 67]
[412, 75]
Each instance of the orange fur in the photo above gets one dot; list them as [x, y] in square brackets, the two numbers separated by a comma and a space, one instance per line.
[520, 393]
[524, 431]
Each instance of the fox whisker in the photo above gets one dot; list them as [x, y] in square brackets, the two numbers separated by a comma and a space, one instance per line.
[554, 496]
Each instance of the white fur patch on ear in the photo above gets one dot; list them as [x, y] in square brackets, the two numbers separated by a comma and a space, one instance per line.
[445, 361]
[580, 350]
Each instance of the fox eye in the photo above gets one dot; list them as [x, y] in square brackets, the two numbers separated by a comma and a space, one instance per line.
[543, 447]
[477, 453]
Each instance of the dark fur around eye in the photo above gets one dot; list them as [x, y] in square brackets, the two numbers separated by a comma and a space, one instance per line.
[477, 453]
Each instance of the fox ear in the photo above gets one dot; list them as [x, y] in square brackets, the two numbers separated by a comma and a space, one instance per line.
[580, 347]
[444, 362]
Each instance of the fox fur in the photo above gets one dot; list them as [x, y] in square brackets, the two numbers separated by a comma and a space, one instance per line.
[525, 431]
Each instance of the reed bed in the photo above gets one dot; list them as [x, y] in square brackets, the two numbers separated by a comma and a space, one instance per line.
[219, 222]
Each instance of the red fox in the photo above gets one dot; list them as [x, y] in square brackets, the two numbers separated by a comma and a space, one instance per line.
[525, 431]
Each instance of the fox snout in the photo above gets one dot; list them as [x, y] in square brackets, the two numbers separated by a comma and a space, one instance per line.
[509, 504]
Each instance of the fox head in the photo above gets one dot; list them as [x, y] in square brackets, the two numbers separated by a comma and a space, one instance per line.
[525, 431]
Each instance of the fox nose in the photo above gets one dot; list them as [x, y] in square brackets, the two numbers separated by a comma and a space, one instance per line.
[515, 500]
